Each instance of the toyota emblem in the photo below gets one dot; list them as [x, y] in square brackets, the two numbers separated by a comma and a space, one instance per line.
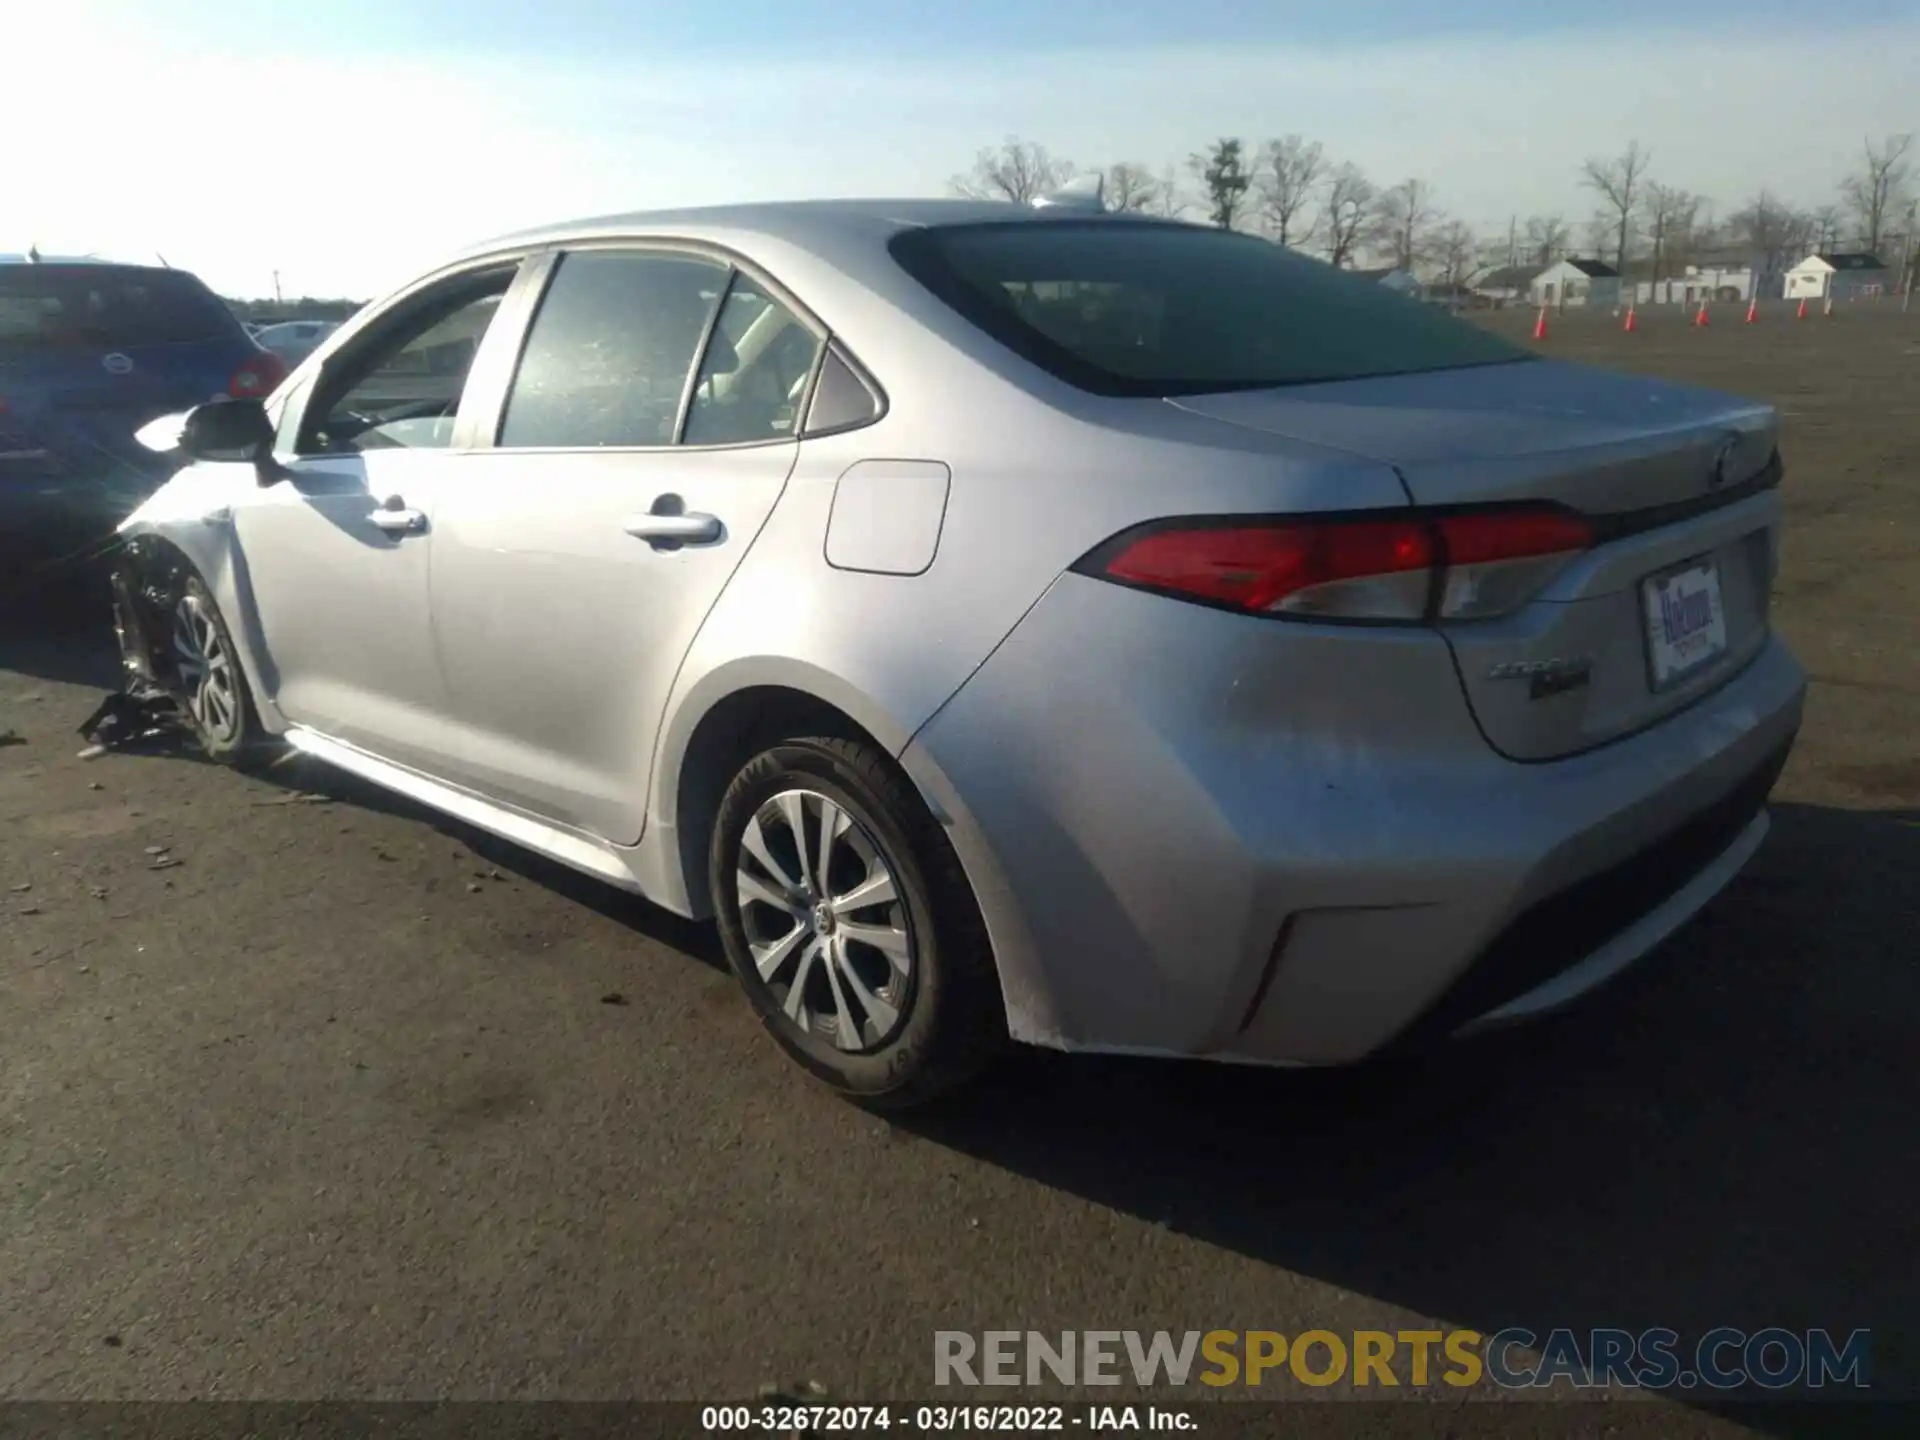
[1723, 462]
[116, 364]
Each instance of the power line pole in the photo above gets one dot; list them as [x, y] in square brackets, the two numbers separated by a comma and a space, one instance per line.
[278, 299]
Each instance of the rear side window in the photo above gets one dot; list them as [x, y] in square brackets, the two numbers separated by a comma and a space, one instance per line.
[106, 307]
[754, 373]
[1121, 307]
[610, 352]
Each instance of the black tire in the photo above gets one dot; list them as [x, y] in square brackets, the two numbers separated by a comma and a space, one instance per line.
[194, 617]
[950, 1021]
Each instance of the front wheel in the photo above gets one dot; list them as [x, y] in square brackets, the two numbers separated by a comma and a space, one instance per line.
[208, 676]
[846, 916]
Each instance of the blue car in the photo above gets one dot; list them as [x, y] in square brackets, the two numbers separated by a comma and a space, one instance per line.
[89, 352]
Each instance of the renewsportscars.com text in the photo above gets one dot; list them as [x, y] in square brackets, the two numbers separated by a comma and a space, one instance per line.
[1517, 1358]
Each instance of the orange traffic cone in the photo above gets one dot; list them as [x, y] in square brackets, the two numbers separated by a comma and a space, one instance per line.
[1753, 309]
[1700, 318]
[1540, 325]
[1631, 324]
[1802, 313]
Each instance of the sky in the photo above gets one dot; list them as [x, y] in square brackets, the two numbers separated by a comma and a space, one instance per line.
[346, 144]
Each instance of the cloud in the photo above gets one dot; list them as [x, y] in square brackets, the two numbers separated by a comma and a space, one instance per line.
[347, 172]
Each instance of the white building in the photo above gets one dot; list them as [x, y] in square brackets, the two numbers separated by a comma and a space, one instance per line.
[1576, 282]
[1700, 283]
[1841, 276]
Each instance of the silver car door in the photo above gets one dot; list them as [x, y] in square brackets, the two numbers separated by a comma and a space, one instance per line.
[576, 559]
[334, 552]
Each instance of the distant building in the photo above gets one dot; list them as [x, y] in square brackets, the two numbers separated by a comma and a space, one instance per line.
[1697, 284]
[1507, 285]
[1393, 278]
[1844, 275]
[1455, 297]
[1576, 282]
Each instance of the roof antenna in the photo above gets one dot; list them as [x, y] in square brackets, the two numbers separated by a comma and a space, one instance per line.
[163, 261]
[33, 254]
[1086, 193]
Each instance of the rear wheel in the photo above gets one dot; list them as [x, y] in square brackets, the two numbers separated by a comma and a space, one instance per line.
[208, 676]
[846, 916]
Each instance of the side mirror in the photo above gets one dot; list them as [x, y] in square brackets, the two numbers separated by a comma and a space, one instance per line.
[227, 430]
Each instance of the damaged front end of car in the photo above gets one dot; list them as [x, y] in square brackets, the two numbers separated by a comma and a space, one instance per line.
[147, 581]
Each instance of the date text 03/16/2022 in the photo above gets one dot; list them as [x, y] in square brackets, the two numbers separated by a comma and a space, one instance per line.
[943, 1419]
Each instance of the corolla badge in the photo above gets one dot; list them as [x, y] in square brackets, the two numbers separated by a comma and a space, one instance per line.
[1547, 677]
[116, 364]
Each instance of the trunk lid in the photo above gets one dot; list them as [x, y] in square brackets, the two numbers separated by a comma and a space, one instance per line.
[1678, 481]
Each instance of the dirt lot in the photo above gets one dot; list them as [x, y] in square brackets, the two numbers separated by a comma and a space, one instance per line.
[342, 1103]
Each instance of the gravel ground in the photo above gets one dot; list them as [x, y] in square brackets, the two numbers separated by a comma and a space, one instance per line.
[347, 1101]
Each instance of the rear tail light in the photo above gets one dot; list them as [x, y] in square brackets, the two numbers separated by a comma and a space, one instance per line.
[1497, 560]
[1464, 565]
[258, 377]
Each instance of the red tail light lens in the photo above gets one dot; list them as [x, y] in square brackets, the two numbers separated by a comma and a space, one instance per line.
[1478, 537]
[259, 377]
[1279, 567]
[1412, 567]
[1497, 560]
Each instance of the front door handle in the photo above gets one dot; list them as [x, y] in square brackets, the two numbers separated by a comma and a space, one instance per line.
[393, 516]
[692, 529]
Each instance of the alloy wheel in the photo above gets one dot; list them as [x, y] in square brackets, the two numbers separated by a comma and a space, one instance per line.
[206, 669]
[825, 921]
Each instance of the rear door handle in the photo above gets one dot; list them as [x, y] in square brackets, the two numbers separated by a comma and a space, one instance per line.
[393, 516]
[687, 529]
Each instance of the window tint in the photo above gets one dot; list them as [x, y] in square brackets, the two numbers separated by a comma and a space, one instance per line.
[608, 357]
[402, 389]
[1122, 307]
[106, 307]
[754, 373]
[840, 400]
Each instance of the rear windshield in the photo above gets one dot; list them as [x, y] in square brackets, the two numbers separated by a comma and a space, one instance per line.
[105, 307]
[1123, 307]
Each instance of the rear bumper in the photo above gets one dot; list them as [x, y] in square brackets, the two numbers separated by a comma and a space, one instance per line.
[1193, 834]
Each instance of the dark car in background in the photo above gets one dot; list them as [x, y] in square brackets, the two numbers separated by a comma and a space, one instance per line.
[89, 352]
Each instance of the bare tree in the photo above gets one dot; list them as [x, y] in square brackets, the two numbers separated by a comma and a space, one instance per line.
[1878, 190]
[1547, 237]
[1132, 187]
[1776, 232]
[1223, 171]
[1619, 183]
[1020, 171]
[1346, 208]
[1456, 251]
[1670, 214]
[1597, 235]
[1406, 215]
[1168, 202]
[1827, 221]
[1286, 177]
[1910, 247]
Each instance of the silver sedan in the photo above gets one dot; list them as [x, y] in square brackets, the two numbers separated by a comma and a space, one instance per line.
[1104, 633]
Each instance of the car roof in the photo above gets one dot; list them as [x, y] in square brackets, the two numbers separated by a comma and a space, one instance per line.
[804, 223]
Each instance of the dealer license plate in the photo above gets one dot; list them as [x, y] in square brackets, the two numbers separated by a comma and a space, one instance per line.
[1686, 621]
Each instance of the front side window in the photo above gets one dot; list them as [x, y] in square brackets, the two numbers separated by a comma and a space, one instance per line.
[609, 354]
[1121, 307]
[400, 388]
